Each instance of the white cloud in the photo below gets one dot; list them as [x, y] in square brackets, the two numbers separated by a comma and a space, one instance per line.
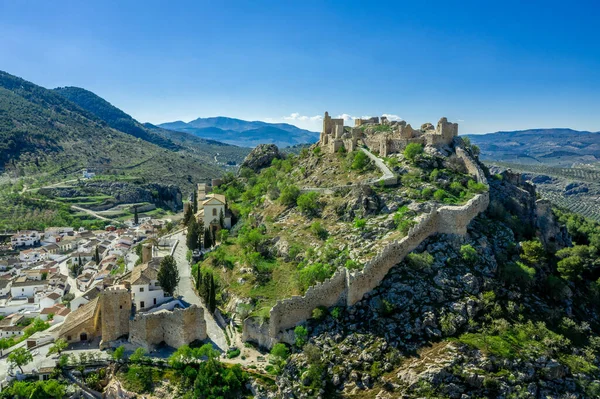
[296, 116]
[392, 117]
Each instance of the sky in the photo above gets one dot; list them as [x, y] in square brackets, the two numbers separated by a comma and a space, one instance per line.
[489, 66]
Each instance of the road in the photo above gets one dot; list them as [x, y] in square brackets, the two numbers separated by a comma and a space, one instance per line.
[186, 290]
[64, 270]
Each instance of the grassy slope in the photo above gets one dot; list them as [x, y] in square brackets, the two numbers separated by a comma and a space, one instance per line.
[48, 137]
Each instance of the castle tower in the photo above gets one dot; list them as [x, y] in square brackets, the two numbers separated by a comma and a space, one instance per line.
[146, 253]
[115, 308]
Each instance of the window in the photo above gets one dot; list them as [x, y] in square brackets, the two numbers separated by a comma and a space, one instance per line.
[68, 337]
[142, 289]
[214, 211]
[120, 306]
[155, 301]
[142, 305]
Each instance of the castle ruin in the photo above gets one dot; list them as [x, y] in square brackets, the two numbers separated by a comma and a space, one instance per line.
[383, 136]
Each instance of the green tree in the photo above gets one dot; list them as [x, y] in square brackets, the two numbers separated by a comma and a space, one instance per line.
[168, 275]
[223, 236]
[20, 357]
[188, 214]
[212, 303]
[59, 346]
[208, 243]
[281, 351]
[301, 335]
[97, 256]
[192, 234]
[136, 218]
[412, 150]
[221, 219]
[533, 252]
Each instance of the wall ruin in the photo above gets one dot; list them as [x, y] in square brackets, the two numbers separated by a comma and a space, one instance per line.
[115, 305]
[348, 288]
[174, 328]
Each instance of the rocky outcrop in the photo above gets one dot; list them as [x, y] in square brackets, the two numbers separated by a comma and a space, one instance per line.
[261, 157]
[361, 201]
[163, 196]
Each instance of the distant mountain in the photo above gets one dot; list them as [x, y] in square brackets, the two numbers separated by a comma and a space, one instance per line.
[244, 133]
[557, 147]
[42, 133]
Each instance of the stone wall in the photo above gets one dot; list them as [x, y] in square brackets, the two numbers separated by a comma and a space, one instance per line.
[348, 288]
[286, 313]
[115, 305]
[174, 328]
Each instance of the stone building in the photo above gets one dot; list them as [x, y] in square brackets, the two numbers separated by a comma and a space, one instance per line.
[383, 136]
[83, 324]
[210, 209]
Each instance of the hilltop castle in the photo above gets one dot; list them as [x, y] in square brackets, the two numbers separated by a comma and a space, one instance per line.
[383, 136]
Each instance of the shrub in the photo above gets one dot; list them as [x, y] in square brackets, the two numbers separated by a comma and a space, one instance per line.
[319, 313]
[308, 203]
[476, 187]
[440, 195]
[360, 161]
[468, 253]
[318, 230]
[518, 273]
[360, 223]
[412, 150]
[420, 261]
[233, 353]
[427, 193]
[533, 252]
[281, 351]
[317, 150]
[289, 195]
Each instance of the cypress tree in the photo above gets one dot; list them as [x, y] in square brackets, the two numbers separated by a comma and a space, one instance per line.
[213, 237]
[207, 239]
[97, 255]
[198, 279]
[192, 234]
[136, 219]
[212, 299]
[222, 219]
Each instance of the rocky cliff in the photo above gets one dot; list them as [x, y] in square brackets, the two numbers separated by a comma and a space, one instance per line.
[163, 196]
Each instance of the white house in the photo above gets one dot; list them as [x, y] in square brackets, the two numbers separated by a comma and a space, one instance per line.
[145, 291]
[210, 209]
[5, 285]
[25, 238]
[26, 288]
[33, 255]
[87, 296]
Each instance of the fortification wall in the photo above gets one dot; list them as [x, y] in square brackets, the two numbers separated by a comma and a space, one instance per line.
[349, 288]
[286, 313]
[176, 328]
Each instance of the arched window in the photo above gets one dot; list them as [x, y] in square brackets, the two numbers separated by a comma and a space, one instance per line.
[214, 211]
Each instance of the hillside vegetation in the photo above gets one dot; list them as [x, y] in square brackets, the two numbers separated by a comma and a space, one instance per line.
[46, 137]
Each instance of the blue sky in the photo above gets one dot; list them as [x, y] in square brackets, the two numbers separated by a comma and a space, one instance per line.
[505, 66]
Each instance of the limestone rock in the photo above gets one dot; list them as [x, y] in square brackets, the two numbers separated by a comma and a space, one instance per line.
[261, 157]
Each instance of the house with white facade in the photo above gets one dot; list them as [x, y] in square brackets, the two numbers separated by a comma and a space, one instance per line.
[25, 238]
[22, 287]
[211, 207]
[33, 255]
[87, 296]
[145, 290]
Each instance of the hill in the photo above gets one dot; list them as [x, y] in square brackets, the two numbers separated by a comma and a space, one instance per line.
[47, 137]
[557, 147]
[207, 150]
[244, 133]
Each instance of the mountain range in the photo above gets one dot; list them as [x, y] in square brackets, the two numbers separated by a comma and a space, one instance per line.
[51, 135]
[244, 133]
[556, 147]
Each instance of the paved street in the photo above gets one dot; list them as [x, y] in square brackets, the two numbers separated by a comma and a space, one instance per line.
[64, 270]
[186, 290]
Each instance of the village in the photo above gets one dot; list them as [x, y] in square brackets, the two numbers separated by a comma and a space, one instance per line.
[95, 290]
